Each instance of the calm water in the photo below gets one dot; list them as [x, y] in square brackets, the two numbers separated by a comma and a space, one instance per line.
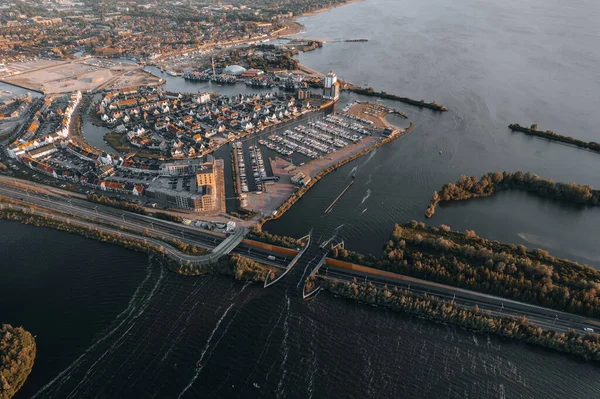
[114, 324]
[491, 64]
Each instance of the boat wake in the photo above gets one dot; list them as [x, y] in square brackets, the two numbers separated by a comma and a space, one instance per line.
[304, 272]
[285, 351]
[125, 320]
[354, 169]
[269, 337]
[371, 155]
[366, 196]
[205, 350]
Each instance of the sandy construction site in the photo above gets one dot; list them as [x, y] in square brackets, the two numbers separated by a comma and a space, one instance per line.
[51, 76]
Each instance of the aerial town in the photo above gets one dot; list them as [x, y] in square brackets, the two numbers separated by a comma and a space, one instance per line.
[189, 148]
[162, 143]
[106, 64]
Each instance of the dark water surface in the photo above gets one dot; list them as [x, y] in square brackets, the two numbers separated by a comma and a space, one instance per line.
[110, 323]
[114, 324]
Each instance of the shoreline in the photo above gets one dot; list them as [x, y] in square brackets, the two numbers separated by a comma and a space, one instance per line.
[21, 87]
[130, 241]
[325, 9]
[17, 352]
[301, 26]
[586, 347]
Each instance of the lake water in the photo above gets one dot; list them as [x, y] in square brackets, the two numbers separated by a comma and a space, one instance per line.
[114, 324]
[491, 64]
[110, 323]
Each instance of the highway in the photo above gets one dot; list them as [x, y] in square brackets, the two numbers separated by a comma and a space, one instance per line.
[99, 216]
[542, 317]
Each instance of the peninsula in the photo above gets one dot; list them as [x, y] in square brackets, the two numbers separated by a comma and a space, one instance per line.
[17, 355]
[490, 183]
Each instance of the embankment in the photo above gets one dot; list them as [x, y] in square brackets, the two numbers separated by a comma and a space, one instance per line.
[382, 94]
[467, 261]
[298, 194]
[585, 347]
[233, 265]
[490, 183]
[17, 356]
[551, 135]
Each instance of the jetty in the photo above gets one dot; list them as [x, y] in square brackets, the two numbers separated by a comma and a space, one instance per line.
[338, 197]
[388, 96]
[552, 136]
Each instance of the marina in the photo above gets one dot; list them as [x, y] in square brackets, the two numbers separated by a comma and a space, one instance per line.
[252, 172]
[317, 138]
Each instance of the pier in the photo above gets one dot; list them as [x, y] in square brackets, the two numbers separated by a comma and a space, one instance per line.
[338, 197]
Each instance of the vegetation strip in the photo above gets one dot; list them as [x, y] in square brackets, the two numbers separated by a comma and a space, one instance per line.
[467, 261]
[17, 356]
[551, 135]
[586, 347]
[490, 183]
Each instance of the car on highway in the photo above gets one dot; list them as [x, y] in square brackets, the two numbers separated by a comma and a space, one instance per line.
[587, 329]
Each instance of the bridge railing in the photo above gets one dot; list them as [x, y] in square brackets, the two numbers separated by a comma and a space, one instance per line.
[291, 264]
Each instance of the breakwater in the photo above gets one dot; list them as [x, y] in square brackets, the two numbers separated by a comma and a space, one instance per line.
[338, 197]
[551, 135]
[388, 96]
[298, 194]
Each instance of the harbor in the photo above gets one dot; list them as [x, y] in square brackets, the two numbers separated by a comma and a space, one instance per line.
[277, 166]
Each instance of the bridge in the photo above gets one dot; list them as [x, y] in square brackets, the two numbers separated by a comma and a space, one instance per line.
[306, 294]
[291, 264]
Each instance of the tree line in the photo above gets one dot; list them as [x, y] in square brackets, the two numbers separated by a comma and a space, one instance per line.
[131, 207]
[586, 347]
[468, 261]
[553, 136]
[256, 233]
[490, 183]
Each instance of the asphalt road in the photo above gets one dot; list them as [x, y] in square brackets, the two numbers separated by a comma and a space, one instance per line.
[98, 215]
[542, 317]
